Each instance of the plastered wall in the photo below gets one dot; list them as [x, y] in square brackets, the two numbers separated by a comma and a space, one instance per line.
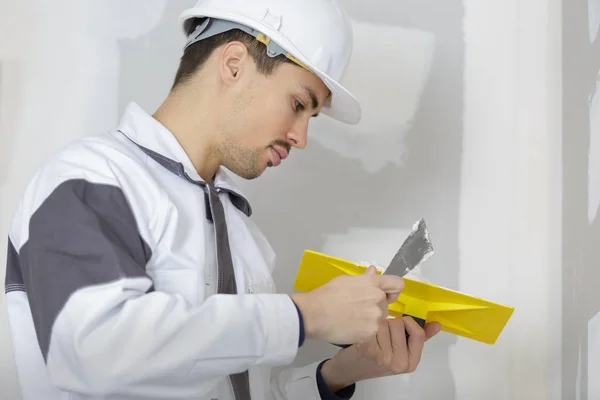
[581, 221]
[458, 128]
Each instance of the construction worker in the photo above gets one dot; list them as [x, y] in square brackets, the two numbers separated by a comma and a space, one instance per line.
[134, 269]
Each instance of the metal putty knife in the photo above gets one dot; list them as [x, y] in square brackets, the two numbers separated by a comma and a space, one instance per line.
[416, 248]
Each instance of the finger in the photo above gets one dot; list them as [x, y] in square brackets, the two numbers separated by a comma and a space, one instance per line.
[383, 338]
[392, 297]
[432, 329]
[398, 338]
[416, 341]
[383, 306]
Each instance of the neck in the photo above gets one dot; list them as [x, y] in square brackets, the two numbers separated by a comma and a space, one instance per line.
[194, 124]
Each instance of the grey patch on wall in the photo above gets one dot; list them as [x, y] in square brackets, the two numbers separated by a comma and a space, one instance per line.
[321, 192]
[581, 298]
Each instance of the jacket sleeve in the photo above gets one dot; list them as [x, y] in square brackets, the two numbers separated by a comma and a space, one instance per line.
[101, 327]
[306, 383]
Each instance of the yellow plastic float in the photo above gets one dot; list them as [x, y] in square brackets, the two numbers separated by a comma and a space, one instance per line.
[458, 313]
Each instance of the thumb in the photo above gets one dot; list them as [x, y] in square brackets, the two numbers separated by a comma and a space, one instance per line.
[391, 284]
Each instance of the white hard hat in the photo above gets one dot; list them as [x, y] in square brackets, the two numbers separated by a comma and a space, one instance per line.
[316, 34]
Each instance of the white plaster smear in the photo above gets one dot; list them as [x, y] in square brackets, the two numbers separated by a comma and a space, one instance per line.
[579, 375]
[594, 154]
[62, 55]
[487, 198]
[388, 71]
[12, 13]
[72, 59]
[593, 18]
[374, 246]
[594, 357]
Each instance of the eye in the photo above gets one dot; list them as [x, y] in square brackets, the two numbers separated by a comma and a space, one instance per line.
[298, 106]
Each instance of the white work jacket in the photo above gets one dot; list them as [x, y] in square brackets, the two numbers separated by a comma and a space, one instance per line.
[112, 272]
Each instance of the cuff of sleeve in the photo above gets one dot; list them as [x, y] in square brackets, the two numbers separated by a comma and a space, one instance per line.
[281, 330]
[326, 394]
[301, 321]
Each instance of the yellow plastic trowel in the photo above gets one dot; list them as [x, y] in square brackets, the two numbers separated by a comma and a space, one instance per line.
[457, 313]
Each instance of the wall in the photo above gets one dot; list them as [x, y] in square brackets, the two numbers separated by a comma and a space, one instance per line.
[581, 232]
[463, 115]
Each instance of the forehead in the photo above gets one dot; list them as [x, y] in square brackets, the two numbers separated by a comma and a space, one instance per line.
[303, 80]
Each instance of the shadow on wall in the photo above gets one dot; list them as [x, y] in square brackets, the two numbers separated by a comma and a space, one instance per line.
[581, 200]
[356, 191]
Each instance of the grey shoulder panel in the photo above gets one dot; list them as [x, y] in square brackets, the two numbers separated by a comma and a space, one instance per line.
[83, 234]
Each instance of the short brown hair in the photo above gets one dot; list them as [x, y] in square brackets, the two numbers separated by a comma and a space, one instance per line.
[197, 54]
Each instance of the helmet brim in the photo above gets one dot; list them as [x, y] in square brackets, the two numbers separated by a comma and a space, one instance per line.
[342, 105]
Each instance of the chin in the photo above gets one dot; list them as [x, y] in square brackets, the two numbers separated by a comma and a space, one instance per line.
[249, 175]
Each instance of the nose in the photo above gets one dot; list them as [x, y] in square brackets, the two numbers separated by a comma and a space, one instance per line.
[298, 135]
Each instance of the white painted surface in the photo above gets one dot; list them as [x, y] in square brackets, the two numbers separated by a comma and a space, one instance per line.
[594, 357]
[594, 155]
[581, 222]
[507, 212]
[482, 173]
[593, 19]
[390, 96]
[578, 382]
[554, 129]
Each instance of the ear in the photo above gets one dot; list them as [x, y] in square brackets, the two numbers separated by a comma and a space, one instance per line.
[233, 62]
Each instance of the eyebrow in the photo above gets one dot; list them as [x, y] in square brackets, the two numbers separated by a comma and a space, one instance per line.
[313, 97]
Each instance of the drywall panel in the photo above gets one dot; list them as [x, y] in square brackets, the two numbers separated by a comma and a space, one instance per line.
[59, 81]
[593, 19]
[593, 343]
[9, 77]
[442, 138]
[594, 154]
[581, 223]
[487, 174]
[355, 191]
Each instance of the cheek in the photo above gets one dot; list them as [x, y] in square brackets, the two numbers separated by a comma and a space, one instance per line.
[266, 124]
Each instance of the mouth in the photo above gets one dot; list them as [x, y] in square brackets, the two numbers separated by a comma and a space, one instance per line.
[278, 154]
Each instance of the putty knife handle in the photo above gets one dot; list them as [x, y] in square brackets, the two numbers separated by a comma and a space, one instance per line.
[419, 321]
[343, 346]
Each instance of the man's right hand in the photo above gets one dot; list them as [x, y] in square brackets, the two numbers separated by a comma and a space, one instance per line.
[348, 309]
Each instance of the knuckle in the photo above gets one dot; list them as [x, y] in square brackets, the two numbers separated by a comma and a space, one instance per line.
[385, 312]
[384, 361]
[400, 367]
[373, 330]
[419, 334]
[401, 284]
[411, 368]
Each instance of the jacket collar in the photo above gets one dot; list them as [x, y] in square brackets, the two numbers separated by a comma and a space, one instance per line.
[161, 145]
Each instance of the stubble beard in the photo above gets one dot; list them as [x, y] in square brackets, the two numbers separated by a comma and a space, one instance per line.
[241, 160]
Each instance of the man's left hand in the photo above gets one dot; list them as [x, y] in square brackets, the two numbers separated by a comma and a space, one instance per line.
[389, 353]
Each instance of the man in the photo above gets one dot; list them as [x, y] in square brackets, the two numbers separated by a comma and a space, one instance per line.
[134, 270]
